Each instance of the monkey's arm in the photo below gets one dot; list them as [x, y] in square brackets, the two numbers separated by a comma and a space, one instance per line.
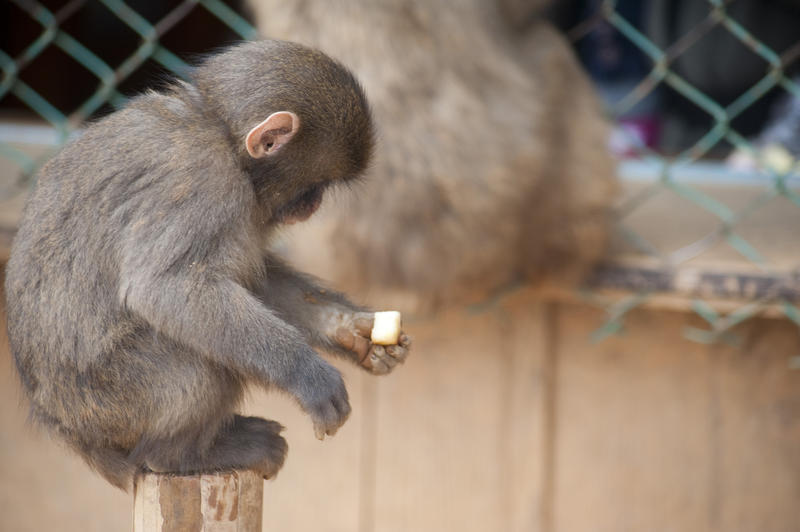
[223, 321]
[328, 319]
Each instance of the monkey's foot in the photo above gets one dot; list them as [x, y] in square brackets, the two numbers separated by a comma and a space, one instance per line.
[353, 334]
[252, 443]
[248, 443]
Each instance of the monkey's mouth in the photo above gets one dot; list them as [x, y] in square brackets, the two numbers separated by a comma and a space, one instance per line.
[302, 207]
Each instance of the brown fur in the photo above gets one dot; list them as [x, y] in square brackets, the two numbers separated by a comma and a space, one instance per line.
[491, 165]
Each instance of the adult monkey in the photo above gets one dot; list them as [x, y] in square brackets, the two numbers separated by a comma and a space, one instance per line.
[141, 292]
[492, 164]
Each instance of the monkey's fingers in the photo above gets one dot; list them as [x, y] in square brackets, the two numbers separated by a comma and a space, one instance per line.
[379, 362]
[397, 352]
[404, 341]
[363, 323]
[332, 416]
[323, 429]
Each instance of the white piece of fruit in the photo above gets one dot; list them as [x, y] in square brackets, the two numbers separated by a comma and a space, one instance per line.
[386, 329]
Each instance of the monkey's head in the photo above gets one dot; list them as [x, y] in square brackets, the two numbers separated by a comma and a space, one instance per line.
[297, 120]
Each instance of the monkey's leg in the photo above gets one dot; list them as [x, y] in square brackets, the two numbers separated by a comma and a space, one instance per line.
[250, 442]
[224, 322]
[246, 443]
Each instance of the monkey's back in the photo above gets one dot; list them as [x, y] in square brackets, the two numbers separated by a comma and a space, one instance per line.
[94, 371]
[491, 166]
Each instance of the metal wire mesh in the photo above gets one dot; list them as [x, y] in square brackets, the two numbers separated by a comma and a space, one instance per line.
[766, 285]
[776, 286]
[108, 77]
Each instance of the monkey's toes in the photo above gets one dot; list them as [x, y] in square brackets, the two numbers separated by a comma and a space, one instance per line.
[275, 456]
[257, 443]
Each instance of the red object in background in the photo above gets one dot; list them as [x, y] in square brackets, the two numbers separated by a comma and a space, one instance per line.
[631, 134]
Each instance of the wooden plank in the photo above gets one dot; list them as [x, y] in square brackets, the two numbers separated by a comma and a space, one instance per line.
[438, 435]
[319, 482]
[755, 411]
[645, 431]
[529, 414]
[459, 426]
[746, 283]
[655, 432]
[633, 436]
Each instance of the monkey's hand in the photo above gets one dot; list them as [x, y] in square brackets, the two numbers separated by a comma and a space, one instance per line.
[352, 334]
[323, 396]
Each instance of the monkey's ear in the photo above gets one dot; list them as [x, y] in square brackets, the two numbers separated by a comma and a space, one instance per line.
[270, 135]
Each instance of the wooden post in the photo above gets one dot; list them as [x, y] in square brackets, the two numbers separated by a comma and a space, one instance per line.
[218, 502]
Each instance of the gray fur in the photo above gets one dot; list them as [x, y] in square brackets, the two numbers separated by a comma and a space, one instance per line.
[141, 294]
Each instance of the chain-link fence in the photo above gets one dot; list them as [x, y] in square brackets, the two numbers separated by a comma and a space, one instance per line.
[50, 32]
[711, 200]
[66, 61]
[730, 167]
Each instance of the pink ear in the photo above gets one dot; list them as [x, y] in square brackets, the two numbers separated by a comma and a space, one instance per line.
[270, 135]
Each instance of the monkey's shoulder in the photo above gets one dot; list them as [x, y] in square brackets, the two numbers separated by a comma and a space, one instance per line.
[145, 167]
[181, 129]
[131, 137]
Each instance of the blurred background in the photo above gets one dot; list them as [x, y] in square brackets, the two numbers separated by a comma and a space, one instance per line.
[661, 392]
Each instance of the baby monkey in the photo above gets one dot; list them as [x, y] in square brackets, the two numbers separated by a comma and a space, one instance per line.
[141, 293]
